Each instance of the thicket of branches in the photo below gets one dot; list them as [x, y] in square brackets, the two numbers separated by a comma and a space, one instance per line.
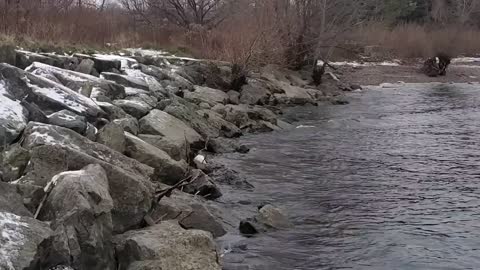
[246, 32]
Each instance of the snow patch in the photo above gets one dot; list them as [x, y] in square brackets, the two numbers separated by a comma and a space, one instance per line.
[12, 114]
[466, 60]
[12, 238]
[366, 64]
[126, 62]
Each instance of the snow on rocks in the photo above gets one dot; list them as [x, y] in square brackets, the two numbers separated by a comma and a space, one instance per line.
[12, 116]
[19, 240]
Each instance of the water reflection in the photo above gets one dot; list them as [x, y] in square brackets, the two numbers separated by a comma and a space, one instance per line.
[388, 182]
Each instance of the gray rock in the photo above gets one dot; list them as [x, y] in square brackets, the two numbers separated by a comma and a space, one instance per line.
[167, 170]
[125, 80]
[233, 97]
[11, 201]
[79, 207]
[112, 135]
[37, 134]
[134, 107]
[35, 114]
[14, 161]
[103, 64]
[161, 123]
[113, 112]
[68, 119]
[201, 122]
[32, 195]
[192, 212]
[129, 124]
[20, 240]
[86, 66]
[23, 59]
[79, 82]
[235, 114]
[169, 246]
[226, 129]
[131, 192]
[175, 148]
[208, 95]
[223, 146]
[91, 132]
[254, 94]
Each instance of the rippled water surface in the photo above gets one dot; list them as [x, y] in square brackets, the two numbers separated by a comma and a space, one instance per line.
[390, 181]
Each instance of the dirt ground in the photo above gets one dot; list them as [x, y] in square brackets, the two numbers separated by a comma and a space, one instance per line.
[459, 72]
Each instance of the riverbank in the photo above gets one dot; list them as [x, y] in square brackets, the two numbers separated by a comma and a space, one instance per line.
[462, 70]
[106, 158]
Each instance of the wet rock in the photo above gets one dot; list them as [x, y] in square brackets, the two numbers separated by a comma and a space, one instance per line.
[224, 175]
[267, 218]
[208, 95]
[175, 148]
[112, 135]
[131, 192]
[168, 246]
[191, 212]
[129, 124]
[161, 123]
[340, 101]
[167, 170]
[223, 146]
[14, 161]
[126, 80]
[68, 119]
[19, 240]
[284, 125]
[136, 108]
[201, 185]
[79, 207]
[86, 66]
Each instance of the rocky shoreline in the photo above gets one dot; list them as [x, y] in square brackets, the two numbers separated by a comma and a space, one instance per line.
[105, 158]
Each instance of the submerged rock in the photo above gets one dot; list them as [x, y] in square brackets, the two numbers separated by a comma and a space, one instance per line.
[267, 218]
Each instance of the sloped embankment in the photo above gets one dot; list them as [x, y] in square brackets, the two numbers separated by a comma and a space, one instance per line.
[100, 166]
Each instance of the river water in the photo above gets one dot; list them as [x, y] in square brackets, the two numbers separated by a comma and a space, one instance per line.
[390, 181]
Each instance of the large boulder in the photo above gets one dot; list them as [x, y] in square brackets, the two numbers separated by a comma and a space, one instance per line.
[191, 212]
[254, 93]
[175, 148]
[78, 82]
[169, 246]
[128, 123]
[167, 170]
[79, 207]
[112, 135]
[68, 119]
[20, 238]
[135, 107]
[202, 185]
[56, 149]
[47, 94]
[208, 95]
[226, 129]
[201, 122]
[161, 123]
[13, 117]
[125, 80]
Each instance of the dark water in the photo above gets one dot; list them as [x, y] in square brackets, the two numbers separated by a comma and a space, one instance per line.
[391, 181]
